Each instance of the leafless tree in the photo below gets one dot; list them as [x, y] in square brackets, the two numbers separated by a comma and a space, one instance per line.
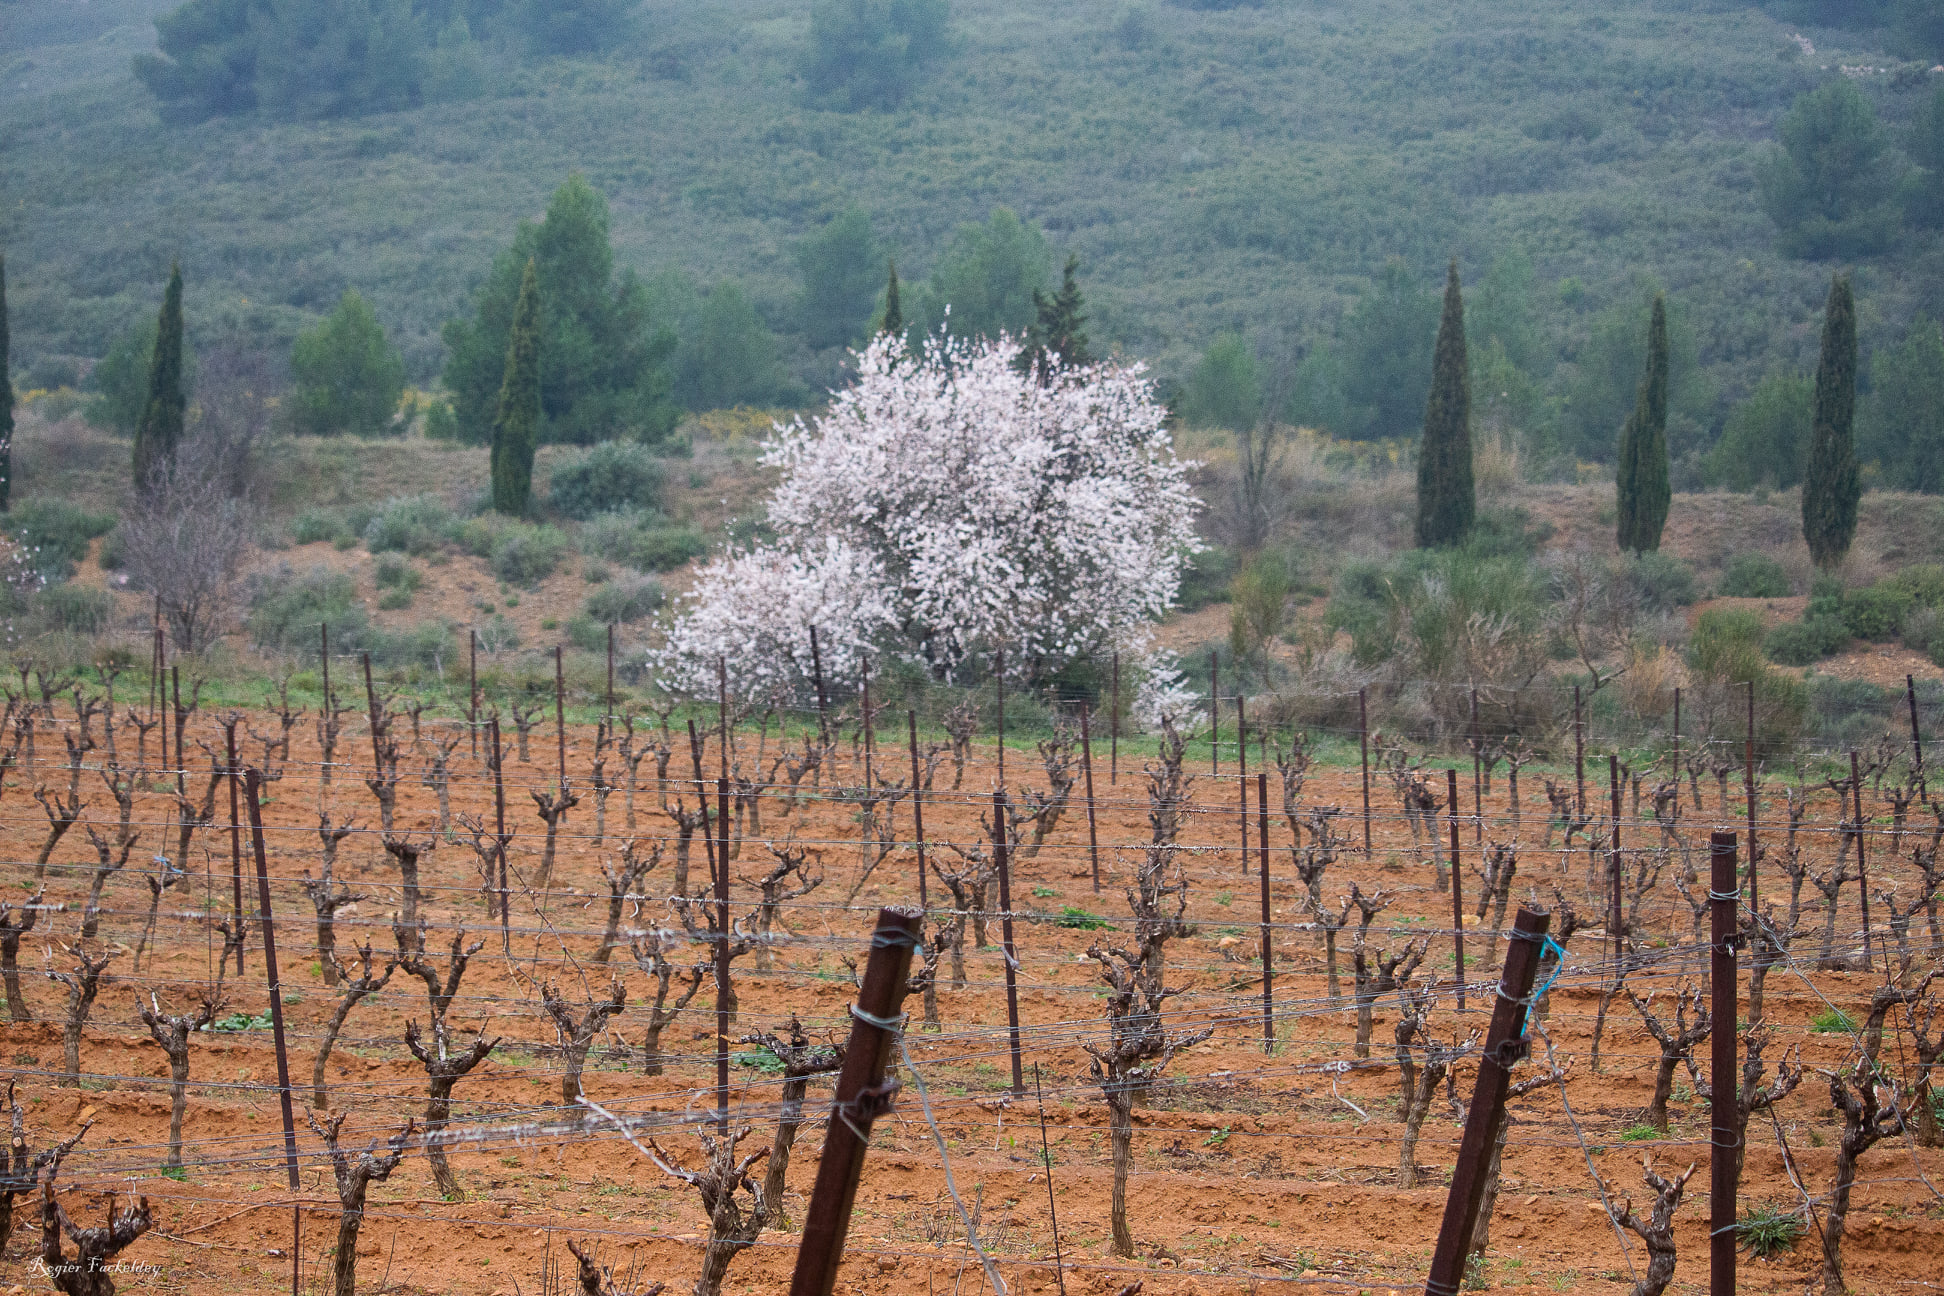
[777, 889]
[1138, 1048]
[971, 890]
[650, 953]
[22, 1166]
[623, 889]
[801, 1059]
[577, 1034]
[171, 1034]
[110, 864]
[1482, 1230]
[1377, 972]
[185, 539]
[444, 1066]
[552, 809]
[355, 990]
[733, 1226]
[236, 390]
[1752, 1096]
[354, 1176]
[327, 895]
[91, 1272]
[1418, 1081]
[729, 945]
[437, 774]
[1657, 1230]
[961, 725]
[83, 983]
[1870, 1114]
[15, 923]
[1676, 1043]
[594, 1279]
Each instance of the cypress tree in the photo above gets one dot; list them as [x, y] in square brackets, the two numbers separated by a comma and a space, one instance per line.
[1640, 478]
[516, 426]
[1056, 329]
[160, 430]
[6, 395]
[1445, 497]
[893, 311]
[1831, 487]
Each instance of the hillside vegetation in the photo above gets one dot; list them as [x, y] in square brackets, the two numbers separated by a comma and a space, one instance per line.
[1248, 167]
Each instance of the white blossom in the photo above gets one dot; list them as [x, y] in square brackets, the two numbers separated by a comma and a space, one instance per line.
[991, 511]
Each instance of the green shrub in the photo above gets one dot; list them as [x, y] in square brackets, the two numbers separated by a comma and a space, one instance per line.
[1825, 599]
[417, 524]
[1662, 581]
[286, 610]
[1081, 920]
[1804, 643]
[1767, 1232]
[609, 476]
[526, 555]
[393, 600]
[1833, 1021]
[59, 530]
[113, 554]
[315, 524]
[1507, 533]
[77, 609]
[595, 572]
[1639, 1134]
[623, 601]
[666, 548]
[1207, 578]
[425, 644]
[1754, 575]
[587, 634]
[1923, 630]
[396, 573]
[1924, 583]
[1877, 612]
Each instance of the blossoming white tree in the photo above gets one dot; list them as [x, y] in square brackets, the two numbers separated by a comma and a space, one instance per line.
[948, 504]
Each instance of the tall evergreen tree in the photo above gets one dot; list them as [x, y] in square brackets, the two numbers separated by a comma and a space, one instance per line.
[893, 322]
[1832, 485]
[516, 426]
[6, 396]
[1445, 496]
[1640, 476]
[160, 430]
[1056, 329]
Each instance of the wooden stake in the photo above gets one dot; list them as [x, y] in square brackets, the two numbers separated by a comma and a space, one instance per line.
[918, 808]
[252, 780]
[236, 839]
[1862, 873]
[1615, 920]
[823, 697]
[1006, 934]
[1086, 766]
[1046, 1164]
[1363, 749]
[722, 961]
[1579, 752]
[472, 688]
[499, 833]
[861, 1098]
[1113, 730]
[1478, 776]
[1723, 1073]
[1748, 778]
[560, 720]
[1916, 735]
[1214, 711]
[1457, 886]
[1242, 753]
[1268, 950]
[1504, 1045]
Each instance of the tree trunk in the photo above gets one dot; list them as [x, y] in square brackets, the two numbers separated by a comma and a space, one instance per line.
[178, 1099]
[779, 1158]
[1663, 1089]
[438, 1110]
[1121, 1115]
[1330, 961]
[1834, 1219]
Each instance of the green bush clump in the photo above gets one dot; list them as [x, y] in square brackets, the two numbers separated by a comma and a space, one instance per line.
[1754, 575]
[416, 524]
[1833, 1021]
[623, 601]
[1924, 583]
[396, 573]
[59, 530]
[315, 524]
[1804, 643]
[1876, 612]
[640, 540]
[424, 644]
[1767, 1232]
[1081, 920]
[527, 555]
[286, 609]
[77, 609]
[587, 634]
[1662, 581]
[1923, 631]
[1206, 579]
[609, 476]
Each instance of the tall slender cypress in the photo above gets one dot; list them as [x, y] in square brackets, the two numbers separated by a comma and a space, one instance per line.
[1640, 478]
[893, 311]
[1056, 332]
[516, 426]
[1832, 485]
[6, 395]
[160, 429]
[1445, 495]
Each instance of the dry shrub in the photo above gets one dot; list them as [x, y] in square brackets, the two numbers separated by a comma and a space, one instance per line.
[1647, 688]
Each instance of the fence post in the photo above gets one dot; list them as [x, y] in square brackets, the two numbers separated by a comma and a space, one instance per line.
[1113, 730]
[472, 689]
[1748, 778]
[1579, 753]
[1363, 749]
[236, 840]
[861, 1094]
[1093, 833]
[1863, 873]
[267, 920]
[1677, 755]
[1916, 734]
[500, 837]
[1214, 711]
[722, 960]
[918, 810]
[1242, 755]
[1268, 952]
[1504, 1045]
[1006, 937]
[1457, 887]
[1615, 920]
[1724, 1076]
[823, 696]
[1478, 779]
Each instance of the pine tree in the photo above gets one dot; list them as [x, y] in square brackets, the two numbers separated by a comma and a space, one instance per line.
[160, 430]
[1445, 497]
[516, 426]
[6, 396]
[893, 310]
[1832, 486]
[1056, 331]
[1640, 478]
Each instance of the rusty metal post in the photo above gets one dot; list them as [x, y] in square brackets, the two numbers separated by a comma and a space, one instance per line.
[918, 807]
[1579, 752]
[1363, 750]
[560, 723]
[823, 695]
[499, 833]
[236, 840]
[1457, 886]
[1748, 778]
[1615, 921]
[861, 1095]
[1724, 1076]
[1677, 754]
[1113, 730]
[1478, 776]
[1214, 711]
[1006, 936]
[1504, 1045]
[1862, 872]
[722, 962]
[1242, 770]
[1916, 735]
[999, 683]
[267, 921]
[1086, 765]
[1268, 950]
[472, 688]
